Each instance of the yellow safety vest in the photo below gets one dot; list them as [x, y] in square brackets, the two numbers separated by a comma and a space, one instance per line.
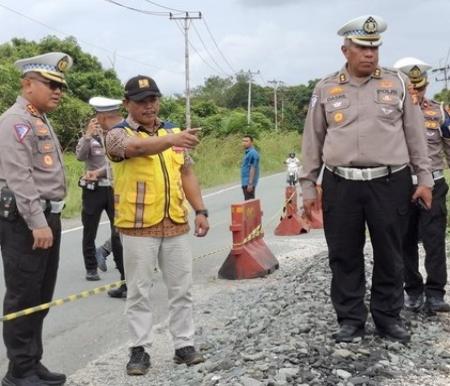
[148, 188]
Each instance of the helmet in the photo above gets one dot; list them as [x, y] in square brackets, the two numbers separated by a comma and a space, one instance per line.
[292, 155]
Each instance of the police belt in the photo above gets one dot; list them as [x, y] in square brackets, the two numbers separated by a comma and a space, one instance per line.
[103, 182]
[364, 174]
[54, 206]
[437, 175]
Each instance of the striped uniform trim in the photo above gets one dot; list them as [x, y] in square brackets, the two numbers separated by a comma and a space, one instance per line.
[60, 302]
[140, 196]
[39, 66]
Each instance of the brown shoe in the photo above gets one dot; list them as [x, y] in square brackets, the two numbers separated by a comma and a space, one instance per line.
[188, 355]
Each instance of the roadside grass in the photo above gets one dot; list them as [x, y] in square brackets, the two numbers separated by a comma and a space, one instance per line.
[74, 170]
[217, 162]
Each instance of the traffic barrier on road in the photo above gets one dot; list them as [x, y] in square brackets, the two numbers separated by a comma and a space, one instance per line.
[60, 302]
[291, 222]
[249, 256]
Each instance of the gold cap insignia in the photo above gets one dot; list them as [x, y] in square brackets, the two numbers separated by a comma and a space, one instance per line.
[415, 73]
[63, 63]
[143, 83]
[370, 25]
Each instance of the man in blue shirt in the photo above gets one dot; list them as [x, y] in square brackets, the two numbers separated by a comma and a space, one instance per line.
[249, 168]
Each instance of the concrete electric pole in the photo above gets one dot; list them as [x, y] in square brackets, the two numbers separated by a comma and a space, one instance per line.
[187, 18]
[276, 84]
[249, 100]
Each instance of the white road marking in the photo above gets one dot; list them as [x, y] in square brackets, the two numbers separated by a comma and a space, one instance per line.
[205, 196]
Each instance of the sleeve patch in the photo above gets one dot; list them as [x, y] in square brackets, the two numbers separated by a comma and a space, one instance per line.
[21, 130]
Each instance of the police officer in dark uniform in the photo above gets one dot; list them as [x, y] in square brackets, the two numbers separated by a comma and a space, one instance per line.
[363, 125]
[97, 187]
[32, 191]
[431, 224]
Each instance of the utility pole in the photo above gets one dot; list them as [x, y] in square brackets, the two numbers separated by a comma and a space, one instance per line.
[444, 70]
[282, 102]
[276, 84]
[187, 22]
[249, 99]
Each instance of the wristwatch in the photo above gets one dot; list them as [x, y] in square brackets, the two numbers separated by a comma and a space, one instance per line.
[204, 212]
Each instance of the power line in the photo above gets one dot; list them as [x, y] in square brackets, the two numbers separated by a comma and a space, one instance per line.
[208, 52]
[163, 6]
[217, 46]
[138, 9]
[80, 40]
[180, 28]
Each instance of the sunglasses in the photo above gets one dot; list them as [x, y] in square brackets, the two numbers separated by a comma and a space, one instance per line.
[51, 84]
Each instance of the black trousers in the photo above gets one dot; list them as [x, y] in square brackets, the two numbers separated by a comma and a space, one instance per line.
[248, 195]
[30, 277]
[430, 226]
[348, 206]
[94, 203]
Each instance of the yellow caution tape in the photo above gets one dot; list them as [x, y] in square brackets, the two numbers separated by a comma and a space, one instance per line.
[85, 294]
[211, 253]
[60, 302]
[252, 235]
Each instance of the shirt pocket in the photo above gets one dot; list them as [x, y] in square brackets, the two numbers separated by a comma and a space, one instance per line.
[337, 111]
[388, 105]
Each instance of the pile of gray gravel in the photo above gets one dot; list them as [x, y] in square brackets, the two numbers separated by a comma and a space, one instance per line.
[277, 331]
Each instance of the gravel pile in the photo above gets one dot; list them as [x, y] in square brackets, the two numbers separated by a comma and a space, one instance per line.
[277, 331]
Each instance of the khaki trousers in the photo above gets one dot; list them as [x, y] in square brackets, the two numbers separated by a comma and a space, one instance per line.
[174, 257]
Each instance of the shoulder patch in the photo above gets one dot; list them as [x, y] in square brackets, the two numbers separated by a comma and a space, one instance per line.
[21, 130]
[313, 101]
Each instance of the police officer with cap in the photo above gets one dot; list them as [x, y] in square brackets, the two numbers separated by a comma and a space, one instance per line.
[430, 224]
[363, 125]
[32, 191]
[97, 187]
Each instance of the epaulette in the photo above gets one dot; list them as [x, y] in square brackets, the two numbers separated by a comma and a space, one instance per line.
[333, 77]
[390, 70]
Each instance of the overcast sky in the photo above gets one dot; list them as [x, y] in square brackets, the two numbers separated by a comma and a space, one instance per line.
[289, 40]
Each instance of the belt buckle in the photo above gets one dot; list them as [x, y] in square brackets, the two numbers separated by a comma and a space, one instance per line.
[358, 174]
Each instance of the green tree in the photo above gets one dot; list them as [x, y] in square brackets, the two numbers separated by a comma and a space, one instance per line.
[214, 90]
[443, 96]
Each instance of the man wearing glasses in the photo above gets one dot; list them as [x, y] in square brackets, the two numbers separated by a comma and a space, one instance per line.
[32, 189]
